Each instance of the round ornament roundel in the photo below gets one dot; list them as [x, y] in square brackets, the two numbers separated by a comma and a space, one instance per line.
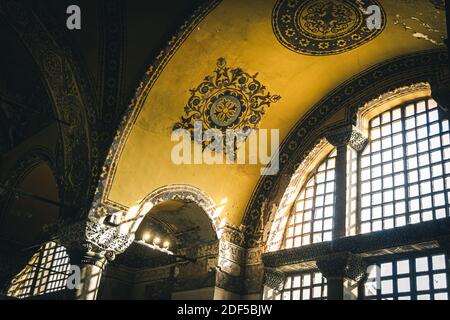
[324, 27]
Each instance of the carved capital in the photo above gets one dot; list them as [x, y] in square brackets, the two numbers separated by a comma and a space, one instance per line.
[342, 265]
[347, 135]
[274, 279]
[440, 90]
[95, 237]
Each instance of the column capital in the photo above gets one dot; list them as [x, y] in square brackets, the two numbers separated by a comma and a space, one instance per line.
[274, 279]
[347, 135]
[233, 234]
[342, 265]
[95, 239]
[440, 90]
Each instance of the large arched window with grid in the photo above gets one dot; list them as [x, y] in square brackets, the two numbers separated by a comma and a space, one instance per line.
[311, 218]
[405, 169]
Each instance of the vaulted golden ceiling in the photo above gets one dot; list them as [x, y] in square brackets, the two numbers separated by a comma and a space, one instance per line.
[258, 39]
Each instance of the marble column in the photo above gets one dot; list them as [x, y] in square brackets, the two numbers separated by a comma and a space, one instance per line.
[343, 271]
[343, 138]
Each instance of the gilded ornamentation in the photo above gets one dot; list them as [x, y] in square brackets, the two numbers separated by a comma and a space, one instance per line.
[103, 206]
[229, 99]
[323, 27]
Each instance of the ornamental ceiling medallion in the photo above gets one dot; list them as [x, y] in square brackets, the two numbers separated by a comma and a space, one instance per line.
[323, 27]
[227, 99]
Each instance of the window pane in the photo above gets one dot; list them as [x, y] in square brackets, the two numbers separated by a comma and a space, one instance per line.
[418, 277]
[314, 208]
[406, 162]
[302, 286]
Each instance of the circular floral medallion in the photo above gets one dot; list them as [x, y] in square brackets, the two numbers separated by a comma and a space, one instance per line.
[226, 108]
[323, 27]
[229, 98]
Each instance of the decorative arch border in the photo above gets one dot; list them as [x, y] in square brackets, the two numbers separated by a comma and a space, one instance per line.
[185, 193]
[70, 92]
[387, 76]
[101, 205]
[23, 167]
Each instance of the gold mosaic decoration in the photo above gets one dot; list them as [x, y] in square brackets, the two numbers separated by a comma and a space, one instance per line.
[323, 27]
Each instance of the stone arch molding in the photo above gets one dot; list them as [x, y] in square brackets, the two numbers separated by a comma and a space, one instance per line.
[69, 90]
[180, 192]
[114, 233]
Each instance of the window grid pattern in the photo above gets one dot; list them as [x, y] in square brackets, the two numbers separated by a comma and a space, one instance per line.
[311, 219]
[302, 286]
[405, 169]
[46, 272]
[422, 277]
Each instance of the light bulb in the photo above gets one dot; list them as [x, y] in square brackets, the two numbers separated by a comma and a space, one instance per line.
[166, 244]
[146, 236]
[157, 240]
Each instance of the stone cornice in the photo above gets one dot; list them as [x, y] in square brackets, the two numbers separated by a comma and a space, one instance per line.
[423, 236]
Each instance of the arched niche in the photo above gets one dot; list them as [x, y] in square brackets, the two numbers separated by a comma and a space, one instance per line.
[26, 220]
[187, 223]
[183, 219]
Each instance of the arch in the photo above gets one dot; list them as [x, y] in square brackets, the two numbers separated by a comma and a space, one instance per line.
[364, 114]
[23, 167]
[102, 206]
[388, 76]
[178, 192]
[389, 100]
[70, 93]
[37, 164]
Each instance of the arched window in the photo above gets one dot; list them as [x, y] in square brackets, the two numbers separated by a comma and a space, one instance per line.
[405, 169]
[46, 272]
[403, 178]
[390, 171]
[311, 219]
